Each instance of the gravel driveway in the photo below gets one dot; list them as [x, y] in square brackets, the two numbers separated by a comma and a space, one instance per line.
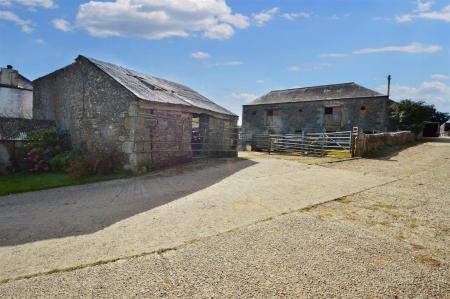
[260, 227]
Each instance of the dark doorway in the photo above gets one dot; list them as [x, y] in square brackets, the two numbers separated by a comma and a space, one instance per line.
[431, 129]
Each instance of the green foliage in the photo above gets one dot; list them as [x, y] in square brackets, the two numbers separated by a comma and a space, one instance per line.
[61, 161]
[96, 161]
[440, 117]
[25, 182]
[42, 146]
[410, 115]
[53, 139]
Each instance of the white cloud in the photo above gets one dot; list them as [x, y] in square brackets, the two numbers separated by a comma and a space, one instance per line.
[415, 48]
[293, 16]
[237, 20]
[265, 16]
[228, 63]
[294, 69]
[200, 55]
[221, 31]
[244, 96]
[424, 11]
[404, 19]
[156, 19]
[334, 55]
[25, 25]
[31, 3]
[439, 77]
[412, 48]
[260, 81]
[62, 25]
[433, 92]
[424, 5]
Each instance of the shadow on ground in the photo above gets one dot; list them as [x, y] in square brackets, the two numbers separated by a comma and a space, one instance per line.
[80, 210]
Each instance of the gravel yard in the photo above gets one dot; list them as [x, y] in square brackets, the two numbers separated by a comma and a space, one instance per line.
[273, 227]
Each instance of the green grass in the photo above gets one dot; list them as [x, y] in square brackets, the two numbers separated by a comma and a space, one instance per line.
[25, 182]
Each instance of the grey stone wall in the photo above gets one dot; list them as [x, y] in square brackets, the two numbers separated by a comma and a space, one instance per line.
[83, 100]
[368, 144]
[162, 136]
[89, 104]
[16, 128]
[309, 116]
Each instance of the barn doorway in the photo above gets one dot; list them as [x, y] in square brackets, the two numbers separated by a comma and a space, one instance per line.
[332, 118]
[199, 136]
[431, 129]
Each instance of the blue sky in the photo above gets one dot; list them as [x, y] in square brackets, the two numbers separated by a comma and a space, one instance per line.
[233, 51]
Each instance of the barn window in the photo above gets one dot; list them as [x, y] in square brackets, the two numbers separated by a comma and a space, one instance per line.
[254, 113]
[328, 110]
[272, 117]
[363, 108]
[300, 110]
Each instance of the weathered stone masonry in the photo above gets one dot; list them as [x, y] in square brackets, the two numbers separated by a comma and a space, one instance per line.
[338, 107]
[97, 109]
[309, 116]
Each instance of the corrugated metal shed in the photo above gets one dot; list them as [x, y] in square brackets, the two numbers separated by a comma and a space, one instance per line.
[157, 90]
[317, 93]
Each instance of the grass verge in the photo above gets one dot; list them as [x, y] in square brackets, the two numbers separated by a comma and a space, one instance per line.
[26, 182]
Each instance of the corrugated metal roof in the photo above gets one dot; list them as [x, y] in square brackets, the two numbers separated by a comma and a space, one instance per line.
[157, 90]
[317, 93]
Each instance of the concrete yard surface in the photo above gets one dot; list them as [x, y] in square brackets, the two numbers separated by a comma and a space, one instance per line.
[258, 226]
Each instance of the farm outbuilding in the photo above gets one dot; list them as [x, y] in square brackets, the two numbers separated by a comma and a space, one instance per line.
[155, 122]
[16, 94]
[327, 108]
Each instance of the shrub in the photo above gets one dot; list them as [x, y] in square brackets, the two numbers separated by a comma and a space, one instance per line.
[62, 161]
[3, 170]
[41, 146]
[96, 161]
[82, 167]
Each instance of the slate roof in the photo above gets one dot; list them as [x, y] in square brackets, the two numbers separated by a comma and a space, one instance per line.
[156, 89]
[317, 93]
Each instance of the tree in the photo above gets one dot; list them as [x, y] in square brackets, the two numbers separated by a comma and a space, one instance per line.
[410, 115]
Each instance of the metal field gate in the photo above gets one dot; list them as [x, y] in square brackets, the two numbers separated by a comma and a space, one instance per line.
[305, 144]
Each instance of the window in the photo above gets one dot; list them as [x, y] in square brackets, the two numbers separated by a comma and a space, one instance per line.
[328, 110]
[363, 108]
[254, 113]
[272, 117]
[300, 110]
[273, 112]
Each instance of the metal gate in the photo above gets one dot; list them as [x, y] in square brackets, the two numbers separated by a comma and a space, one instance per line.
[306, 144]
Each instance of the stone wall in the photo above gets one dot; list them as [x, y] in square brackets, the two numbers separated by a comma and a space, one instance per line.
[16, 128]
[367, 144]
[86, 102]
[161, 136]
[309, 116]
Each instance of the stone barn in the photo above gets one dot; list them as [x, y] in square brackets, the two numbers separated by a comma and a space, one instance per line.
[327, 108]
[155, 122]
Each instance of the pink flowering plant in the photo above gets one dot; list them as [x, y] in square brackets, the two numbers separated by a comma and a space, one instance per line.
[41, 146]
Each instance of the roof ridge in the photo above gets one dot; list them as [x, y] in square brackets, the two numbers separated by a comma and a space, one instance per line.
[316, 86]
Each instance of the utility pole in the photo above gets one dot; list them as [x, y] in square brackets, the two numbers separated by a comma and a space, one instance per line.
[389, 85]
